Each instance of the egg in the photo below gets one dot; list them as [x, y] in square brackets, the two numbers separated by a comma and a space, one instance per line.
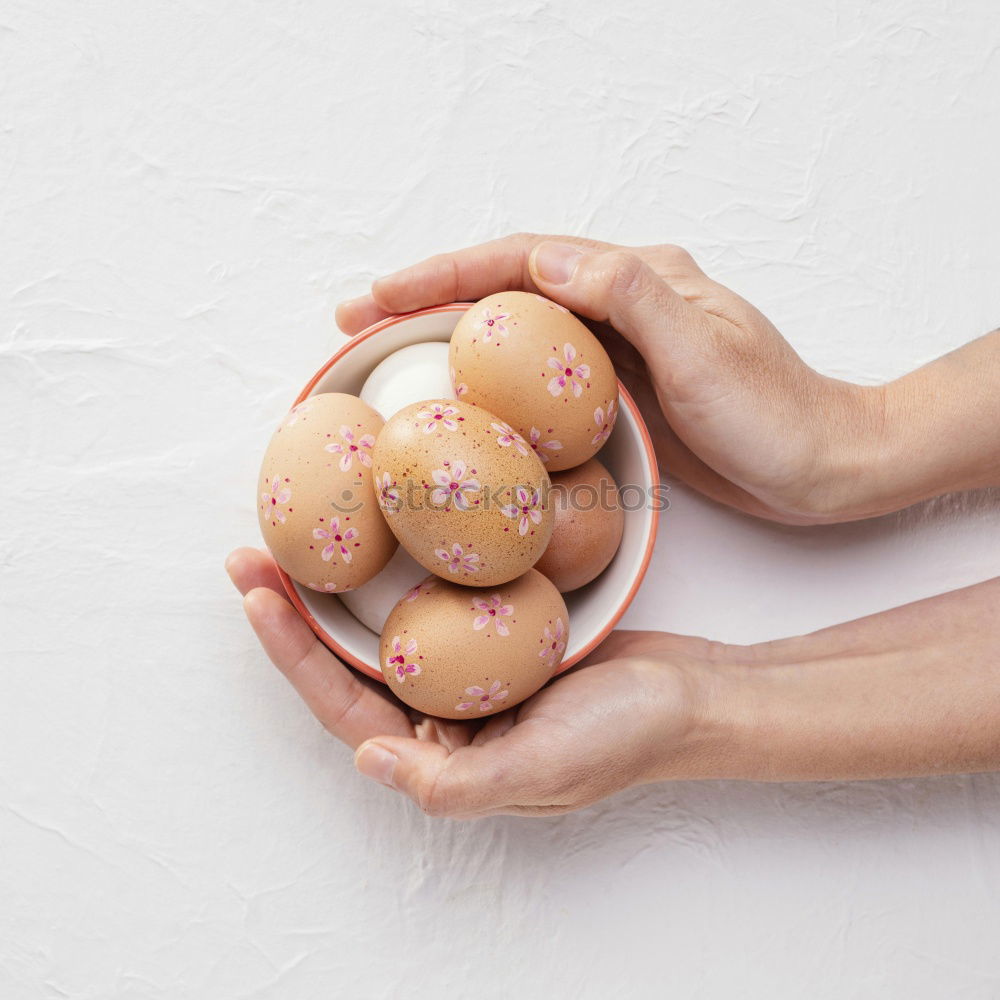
[465, 653]
[372, 602]
[536, 366]
[462, 491]
[316, 501]
[408, 375]
[589, 522]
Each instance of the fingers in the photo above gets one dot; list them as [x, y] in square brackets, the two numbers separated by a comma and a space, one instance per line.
[499, 265]
[464, 783]
[469, 274]
[620, 288]
[358, 314]
[449, 733]
[252, 568]
[350, 710]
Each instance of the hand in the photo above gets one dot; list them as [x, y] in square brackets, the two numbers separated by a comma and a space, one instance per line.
[592, 732]
[733, 410]
[911, 691]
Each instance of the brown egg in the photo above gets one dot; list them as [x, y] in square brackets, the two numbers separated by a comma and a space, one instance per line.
[588, 526]
[535, 365]
[462, 492]
[316, 501]
[466, 652]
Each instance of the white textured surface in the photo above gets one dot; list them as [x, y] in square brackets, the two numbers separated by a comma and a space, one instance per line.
[184, 195]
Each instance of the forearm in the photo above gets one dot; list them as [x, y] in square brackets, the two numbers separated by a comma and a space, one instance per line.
[933, 431]
[912, 691]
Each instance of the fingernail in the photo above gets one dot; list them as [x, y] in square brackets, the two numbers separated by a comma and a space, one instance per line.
[377, 763]
[556, 262]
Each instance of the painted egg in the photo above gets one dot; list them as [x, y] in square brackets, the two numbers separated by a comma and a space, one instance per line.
[467, 652]
[462, 491]
[539, 368]
[316, 501]
[408, 375]
[588, 526]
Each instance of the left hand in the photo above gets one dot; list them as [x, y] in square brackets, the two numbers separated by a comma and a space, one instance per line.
[626, 719]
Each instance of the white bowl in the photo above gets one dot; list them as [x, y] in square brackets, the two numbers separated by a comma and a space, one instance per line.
[628, 454]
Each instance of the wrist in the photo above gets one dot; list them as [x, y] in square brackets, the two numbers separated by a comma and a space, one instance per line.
[751, 717]
[885, 447]
[855, 454]
[906, 692]
[760, 713]
[706, 697]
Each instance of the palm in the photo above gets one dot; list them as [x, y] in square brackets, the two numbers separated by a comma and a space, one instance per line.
[562, 741]
[549, 753]
[575, 702]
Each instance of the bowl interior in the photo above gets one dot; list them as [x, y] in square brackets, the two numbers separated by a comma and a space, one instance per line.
[628, 455]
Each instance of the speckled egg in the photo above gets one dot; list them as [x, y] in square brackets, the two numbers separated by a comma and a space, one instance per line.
[316, 501]
[538, 367]
[589, 522]
[462, 491]
[465, 653]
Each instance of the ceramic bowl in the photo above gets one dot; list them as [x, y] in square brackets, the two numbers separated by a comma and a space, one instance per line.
[628, 454]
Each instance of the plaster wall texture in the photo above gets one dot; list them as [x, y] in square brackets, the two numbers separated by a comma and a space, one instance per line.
[186, 190]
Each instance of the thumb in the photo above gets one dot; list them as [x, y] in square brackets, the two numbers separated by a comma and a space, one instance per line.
[462, 783]
[617, 287]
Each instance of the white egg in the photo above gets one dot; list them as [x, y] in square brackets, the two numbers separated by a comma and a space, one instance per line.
[410, 375]
[372, 602]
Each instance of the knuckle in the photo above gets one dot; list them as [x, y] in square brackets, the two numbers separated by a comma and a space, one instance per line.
[676, 255]
[626, 273]
[445, 265]
[436, 795]
[524, 239]
[436, 260]
[342, 708]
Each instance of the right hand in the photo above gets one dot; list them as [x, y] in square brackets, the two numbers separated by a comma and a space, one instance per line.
[732, 409]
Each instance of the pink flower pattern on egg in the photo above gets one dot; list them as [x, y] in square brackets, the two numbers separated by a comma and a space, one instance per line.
[460, 388]
[508, 436]
[388, 494]
[274, 498]
[570, 375]
[605, 422]
[551, 304]
[453, 487]
[484, 699]
[421, 588]
[555, 643]
[525, 511]
[543, 447]
[459, 559]
[437, 416]
[336, 540]
[492, 324]
[327, 588]
[492, 610]
[351, 449]
[397, 662]
[296, 411]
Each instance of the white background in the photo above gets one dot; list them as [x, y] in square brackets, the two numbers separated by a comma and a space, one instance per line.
[186, 190]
